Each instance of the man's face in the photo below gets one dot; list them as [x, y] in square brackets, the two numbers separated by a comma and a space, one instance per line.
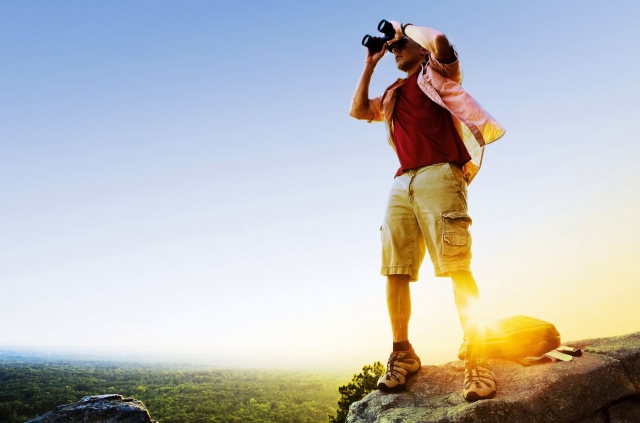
[408, 54]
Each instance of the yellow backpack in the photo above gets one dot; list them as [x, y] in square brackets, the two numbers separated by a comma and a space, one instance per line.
[515, 338]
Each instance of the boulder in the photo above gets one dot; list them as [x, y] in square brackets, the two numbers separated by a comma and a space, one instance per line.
[581, 390]
[625, 412]
[625, 348]
[98, 409]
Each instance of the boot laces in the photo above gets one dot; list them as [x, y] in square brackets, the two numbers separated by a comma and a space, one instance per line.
[391, 368]
[474, 373]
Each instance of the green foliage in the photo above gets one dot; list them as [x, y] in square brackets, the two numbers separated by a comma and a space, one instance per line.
[172, 394]
[358, 388]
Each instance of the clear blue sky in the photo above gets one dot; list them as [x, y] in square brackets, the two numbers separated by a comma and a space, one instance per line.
[183, 178]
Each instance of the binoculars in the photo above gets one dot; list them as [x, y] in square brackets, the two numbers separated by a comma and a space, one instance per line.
[375, 44]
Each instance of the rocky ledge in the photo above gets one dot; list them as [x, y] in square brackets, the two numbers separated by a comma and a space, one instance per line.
[602, 386]
[99, 409]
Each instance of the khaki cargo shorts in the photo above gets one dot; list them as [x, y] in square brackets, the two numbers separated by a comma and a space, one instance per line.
[427, 210]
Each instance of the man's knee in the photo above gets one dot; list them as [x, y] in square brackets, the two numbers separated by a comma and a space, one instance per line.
[398, 279]
[461, 276]
[464, 283]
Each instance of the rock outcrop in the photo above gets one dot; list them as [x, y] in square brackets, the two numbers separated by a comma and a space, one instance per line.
[602, 386]
[98, 409]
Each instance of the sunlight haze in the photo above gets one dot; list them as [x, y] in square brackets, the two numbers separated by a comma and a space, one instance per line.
[182, 180]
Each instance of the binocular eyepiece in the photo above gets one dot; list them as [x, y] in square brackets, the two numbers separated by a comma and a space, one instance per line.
[375, 44]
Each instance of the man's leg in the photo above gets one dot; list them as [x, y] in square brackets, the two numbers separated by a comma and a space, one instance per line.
[440, 204]
[399, 306]
[403, 249]
[479, 381]
[403, 362]
[466, 296]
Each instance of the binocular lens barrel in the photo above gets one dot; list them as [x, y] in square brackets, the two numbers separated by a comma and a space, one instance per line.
[387, 29]
[375, 44]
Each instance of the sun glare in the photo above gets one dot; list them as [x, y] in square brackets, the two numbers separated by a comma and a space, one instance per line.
[477, 322]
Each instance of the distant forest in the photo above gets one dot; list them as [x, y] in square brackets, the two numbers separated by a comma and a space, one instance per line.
[30, 387]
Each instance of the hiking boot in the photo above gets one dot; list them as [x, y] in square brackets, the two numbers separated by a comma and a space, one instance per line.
[400, 367]
[479, 381]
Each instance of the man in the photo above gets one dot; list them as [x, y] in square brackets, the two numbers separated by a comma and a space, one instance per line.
[438, 132]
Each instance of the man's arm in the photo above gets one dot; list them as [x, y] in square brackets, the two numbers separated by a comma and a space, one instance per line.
[431, 39]
[360, 106]
[434, 41]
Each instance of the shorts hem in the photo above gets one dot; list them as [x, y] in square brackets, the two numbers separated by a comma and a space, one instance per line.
[443, 271]
[400, 270]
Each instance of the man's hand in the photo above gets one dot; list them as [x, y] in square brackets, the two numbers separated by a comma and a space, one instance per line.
[373, 58]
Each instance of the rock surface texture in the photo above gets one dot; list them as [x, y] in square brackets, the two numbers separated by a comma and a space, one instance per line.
[98, 409]
[602, 386]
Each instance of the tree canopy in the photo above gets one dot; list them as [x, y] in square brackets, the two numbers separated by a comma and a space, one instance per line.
[171, 394]
[358, 388]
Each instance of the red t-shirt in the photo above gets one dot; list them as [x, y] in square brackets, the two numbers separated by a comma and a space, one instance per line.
[423, 131]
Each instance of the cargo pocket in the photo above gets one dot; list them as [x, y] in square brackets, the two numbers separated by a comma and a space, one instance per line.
[456, 236]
